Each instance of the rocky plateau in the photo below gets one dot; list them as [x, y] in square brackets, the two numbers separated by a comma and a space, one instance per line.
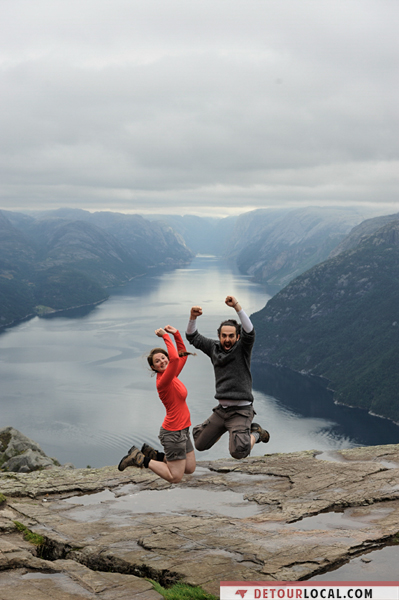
[278, 517]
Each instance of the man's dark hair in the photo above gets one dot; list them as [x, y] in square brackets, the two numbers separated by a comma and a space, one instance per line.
[230, 323]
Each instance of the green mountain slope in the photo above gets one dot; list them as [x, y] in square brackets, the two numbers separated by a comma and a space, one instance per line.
[340, 320]
[61, 259]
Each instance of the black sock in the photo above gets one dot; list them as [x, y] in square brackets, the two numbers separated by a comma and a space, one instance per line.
[160, 456]
[146, 461]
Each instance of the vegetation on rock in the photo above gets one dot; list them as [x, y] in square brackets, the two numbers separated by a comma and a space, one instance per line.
[182, 591]
[29, 536]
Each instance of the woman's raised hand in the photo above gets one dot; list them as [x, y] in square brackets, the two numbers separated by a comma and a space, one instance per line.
[160, 332]
[170, 329]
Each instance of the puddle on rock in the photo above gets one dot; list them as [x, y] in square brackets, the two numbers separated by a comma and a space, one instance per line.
[357, 517]
[106, 505]
[378, 565]
[62, 581]
[388, 464]
[351, 518]
[89, 499]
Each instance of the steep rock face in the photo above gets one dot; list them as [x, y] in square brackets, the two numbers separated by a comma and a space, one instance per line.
[340, 320]
[276, 246]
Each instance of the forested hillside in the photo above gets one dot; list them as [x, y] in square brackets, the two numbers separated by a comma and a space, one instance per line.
[67, 258]
[340, 320]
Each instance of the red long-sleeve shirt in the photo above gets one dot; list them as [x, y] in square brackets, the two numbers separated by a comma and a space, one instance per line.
[171, 390]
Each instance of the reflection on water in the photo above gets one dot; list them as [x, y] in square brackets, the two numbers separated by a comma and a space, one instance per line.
[309, 397]
[78, 383]
[106, 506]
[378, 565]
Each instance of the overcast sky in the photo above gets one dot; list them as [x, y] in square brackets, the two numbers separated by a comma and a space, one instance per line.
[209, 107]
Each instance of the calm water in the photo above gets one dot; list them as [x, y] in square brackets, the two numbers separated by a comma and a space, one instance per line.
[78, 383]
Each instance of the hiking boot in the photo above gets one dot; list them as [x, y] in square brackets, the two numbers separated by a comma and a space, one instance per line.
[264, 436]
[149, 451]
[134, 458]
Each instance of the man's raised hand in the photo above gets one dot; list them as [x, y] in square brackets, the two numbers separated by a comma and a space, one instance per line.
[196, 311]
[233, 302]
[160, 332]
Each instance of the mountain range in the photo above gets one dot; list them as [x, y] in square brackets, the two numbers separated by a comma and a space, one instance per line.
[335, 277]
[275, 246]
[60, 259]
[340, 320]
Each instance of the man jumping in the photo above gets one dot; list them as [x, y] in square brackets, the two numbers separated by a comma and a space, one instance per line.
[231, 359]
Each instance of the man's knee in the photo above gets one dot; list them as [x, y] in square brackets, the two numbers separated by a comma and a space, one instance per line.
[240, 454]
[240, 446]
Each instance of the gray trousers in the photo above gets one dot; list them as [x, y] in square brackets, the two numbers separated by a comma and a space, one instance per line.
[234, 419]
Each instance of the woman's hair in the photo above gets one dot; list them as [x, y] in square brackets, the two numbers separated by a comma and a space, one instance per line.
[154, 351]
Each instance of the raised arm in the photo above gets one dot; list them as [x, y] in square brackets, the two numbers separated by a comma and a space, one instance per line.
[179, 344]
[245, 320]
[195, 312]
[194, 337]
[172, 369]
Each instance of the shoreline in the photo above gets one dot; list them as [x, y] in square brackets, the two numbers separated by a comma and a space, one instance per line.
[325, 384]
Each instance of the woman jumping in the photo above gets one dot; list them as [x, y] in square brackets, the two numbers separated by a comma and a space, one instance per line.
[178, 457]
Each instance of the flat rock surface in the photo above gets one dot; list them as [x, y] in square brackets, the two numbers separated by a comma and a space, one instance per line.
[276, 517]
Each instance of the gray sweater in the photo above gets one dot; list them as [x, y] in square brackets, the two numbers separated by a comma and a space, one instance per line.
[233, 379]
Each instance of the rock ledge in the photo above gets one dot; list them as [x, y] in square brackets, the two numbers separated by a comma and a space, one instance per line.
[282, 517]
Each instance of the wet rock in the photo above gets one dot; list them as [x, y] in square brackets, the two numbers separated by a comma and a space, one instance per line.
[20, 454]
[275, 517]
[67, 579]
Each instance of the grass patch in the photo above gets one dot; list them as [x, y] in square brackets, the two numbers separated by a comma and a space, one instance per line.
[29, 536]
[2, 499]
[182, 591]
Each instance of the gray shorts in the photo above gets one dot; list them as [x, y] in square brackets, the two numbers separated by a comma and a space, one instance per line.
[176, 444]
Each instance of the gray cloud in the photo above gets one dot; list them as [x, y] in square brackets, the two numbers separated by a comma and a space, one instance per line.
[205, 106]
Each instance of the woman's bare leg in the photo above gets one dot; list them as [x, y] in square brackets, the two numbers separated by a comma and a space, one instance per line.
[190, 463]
[171, 471]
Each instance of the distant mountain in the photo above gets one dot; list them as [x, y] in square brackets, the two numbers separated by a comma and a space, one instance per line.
[340, 320]
[82, 246]
[60, 259]
[361, 231]
[203, 235]
[275, 246]
[150, 244]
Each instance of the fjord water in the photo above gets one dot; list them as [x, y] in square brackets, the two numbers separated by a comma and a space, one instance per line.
[78, 383]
